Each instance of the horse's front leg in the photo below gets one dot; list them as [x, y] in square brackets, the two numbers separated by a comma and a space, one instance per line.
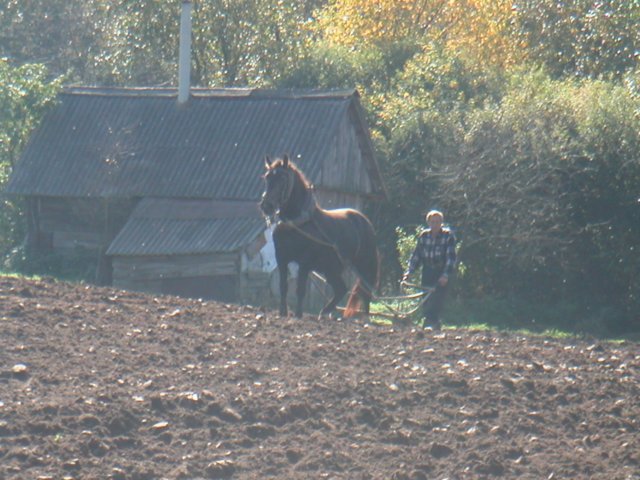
[301, 289]
[283, 270]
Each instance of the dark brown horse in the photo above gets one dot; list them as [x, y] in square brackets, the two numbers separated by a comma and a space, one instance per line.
[322, 241]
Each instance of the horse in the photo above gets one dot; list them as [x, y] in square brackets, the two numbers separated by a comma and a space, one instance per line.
[322, 241]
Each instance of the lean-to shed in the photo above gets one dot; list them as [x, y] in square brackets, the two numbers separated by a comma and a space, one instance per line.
[166, 194]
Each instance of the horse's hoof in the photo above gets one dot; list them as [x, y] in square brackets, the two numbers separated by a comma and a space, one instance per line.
[326, 316]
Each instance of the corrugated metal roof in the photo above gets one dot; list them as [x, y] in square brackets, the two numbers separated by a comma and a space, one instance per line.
[139, 142]
[185, 228]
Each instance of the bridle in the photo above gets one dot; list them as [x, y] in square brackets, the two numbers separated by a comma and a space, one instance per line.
[284, 190]
[287, 189]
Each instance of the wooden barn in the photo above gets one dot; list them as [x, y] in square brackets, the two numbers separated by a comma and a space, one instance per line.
[165, 194]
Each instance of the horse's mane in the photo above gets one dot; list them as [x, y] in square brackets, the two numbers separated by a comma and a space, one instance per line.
[291, 165]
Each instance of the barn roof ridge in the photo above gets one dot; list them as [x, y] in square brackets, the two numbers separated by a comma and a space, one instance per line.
[207, 92]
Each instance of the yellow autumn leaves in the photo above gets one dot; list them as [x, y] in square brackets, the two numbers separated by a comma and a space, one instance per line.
[479, 30]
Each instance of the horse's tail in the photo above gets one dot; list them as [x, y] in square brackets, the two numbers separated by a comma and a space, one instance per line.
[354, 304]
[363, 290]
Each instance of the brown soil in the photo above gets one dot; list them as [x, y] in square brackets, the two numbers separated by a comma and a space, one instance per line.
[101, 383]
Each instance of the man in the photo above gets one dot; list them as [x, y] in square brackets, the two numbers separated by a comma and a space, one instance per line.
[435, 252]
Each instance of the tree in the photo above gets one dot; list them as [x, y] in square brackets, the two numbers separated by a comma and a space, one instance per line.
[581, 37]
[63, 35]
[546, 186]
[26, 93]
[478, 30]
[234, 43]
[483, 33]
[358, 23]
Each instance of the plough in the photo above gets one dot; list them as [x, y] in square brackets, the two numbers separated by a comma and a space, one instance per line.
[393, 304]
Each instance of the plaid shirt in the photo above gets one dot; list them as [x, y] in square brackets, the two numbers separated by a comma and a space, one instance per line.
[438, 253]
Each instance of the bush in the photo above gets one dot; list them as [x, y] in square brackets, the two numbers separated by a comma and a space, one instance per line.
[546, 189]
[26, 94]
[78, 266]
[542, 185]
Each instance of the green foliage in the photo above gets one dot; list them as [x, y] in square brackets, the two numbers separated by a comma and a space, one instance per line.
[581, 37]
[371, 68]
[445, 81]
[533, 190]
[521, 313]
[526, 171]
[26, 94]
[77, 266]
[423, 122]
[64, 35]
[417, 150]
[234, 43]
[140, 44]
[406, 243]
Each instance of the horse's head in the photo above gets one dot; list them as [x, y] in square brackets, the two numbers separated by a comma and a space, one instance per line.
[279, 179]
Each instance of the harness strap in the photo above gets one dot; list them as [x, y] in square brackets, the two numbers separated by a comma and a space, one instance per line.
[328, 243]
[309, 207]
[288, 189]
[305, 216]
[423, 295]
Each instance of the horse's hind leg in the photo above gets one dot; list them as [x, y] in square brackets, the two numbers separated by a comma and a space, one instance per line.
[339, 290]
[365, 295]
[301, 289]
[368, 280]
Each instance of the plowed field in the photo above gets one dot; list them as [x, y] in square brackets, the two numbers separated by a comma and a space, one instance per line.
[99, 383]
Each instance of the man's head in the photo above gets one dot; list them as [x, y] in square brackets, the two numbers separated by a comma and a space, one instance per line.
[434, 220]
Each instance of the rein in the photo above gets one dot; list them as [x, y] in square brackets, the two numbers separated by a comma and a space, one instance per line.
[307, 216]
[310, 206]
[423, 293]
[328, 243]
[296, 226]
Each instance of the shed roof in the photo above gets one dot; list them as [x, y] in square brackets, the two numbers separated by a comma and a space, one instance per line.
[186, 227]
[129, 142]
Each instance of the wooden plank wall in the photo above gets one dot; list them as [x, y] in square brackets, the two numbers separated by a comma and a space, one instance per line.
[77, 222]
[129, 270]
[329, 199]
[254, 289]
[344, 169]
[213, 276]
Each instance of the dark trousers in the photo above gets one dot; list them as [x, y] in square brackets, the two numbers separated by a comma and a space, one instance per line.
[433, 306]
